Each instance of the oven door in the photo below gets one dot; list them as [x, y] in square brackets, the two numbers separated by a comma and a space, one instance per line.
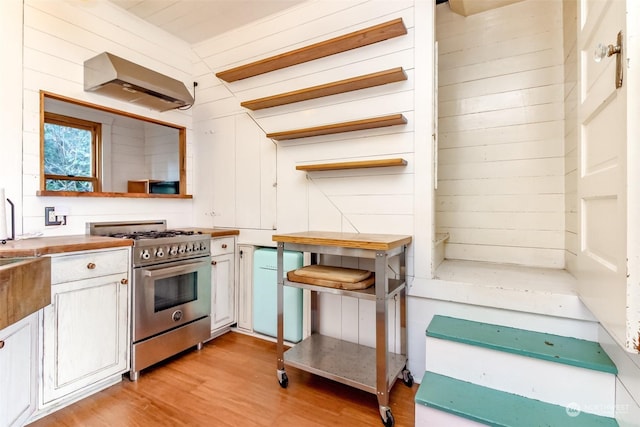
[170, 295]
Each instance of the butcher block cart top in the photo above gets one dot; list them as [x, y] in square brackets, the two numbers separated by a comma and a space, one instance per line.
[370, 369]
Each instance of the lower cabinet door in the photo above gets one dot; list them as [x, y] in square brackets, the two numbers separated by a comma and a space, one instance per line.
[222, 291]
[85, 334]
[18, 370]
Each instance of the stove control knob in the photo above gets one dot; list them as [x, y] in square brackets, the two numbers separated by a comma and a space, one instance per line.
[145, 254]
[160, 253]
[189, 247]
[173, 251]
[181, 249]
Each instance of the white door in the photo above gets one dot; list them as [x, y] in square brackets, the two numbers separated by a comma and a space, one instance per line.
[18, 371]
[607, 259]
[85, 334]
[222, 291]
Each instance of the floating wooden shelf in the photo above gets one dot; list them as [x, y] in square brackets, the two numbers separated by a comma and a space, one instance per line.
[329, 47]
[376, 122]
[353, 165]
[347, 85]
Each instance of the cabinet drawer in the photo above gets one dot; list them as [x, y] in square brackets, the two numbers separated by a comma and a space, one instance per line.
[223, 245]
[86, 265]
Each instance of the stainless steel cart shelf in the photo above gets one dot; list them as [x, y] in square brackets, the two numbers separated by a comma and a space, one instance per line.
[370, 369]
[342, 361]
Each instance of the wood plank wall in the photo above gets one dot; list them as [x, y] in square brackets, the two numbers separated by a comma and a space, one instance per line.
[58, 38]
[374, 200]
[365, 200]
[162, 153]
[570, 22]
[10, 107]
[501, 157]
[127, 155]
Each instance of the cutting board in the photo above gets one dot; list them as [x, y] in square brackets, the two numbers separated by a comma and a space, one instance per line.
[333, 277]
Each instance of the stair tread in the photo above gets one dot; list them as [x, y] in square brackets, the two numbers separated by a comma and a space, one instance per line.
[554, 348]
[498, 408]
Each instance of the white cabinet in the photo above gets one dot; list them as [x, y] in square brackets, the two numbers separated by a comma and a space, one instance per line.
[235, 175]
[245, 287]
[223, 294]
[18, 371]
[85, 330]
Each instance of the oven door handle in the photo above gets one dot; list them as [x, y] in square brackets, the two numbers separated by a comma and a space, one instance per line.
[174, 271]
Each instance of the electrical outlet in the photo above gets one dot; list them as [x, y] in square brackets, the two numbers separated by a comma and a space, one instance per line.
[50, 216]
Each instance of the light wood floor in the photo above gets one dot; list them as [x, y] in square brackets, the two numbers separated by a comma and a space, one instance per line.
[231, 382]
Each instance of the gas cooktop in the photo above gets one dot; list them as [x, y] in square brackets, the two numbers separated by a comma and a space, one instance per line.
[152, 242]
[139, 235]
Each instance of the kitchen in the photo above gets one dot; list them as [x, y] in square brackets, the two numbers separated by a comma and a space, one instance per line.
[231, 167]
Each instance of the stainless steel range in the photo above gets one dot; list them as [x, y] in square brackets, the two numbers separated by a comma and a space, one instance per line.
[171, 290]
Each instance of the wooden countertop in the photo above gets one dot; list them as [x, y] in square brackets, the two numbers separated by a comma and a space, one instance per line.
[82, 242]
[215, 232]
[345, 240]
[59, 244]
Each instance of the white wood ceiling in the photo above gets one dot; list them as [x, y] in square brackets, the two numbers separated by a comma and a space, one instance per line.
[196, 20]
[471, 7]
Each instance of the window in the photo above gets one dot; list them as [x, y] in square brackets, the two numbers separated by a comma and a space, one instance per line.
[71, 154]
[89, 150]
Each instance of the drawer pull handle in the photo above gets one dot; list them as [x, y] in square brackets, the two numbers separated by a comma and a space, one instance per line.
[1, 344]
[124, 281]
[214, 262]
[91, 266]
[224, 246]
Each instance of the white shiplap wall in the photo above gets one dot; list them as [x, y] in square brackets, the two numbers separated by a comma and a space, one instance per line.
[569, 15]
[58, 37]
[161, 153]
[381, 200]
[11, 104]
[501, 158]
[367, 201]
[127, 154]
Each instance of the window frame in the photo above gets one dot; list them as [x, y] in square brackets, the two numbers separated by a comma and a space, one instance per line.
[89, 106]
[96, 149]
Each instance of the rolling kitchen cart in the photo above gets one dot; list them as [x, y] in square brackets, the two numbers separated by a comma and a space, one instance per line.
[373, 370]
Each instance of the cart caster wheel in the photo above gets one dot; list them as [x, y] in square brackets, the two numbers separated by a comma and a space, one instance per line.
[407, 378]
[284, 381]
[389, 422]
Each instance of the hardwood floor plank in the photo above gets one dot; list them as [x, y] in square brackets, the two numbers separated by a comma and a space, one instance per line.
[231, 382]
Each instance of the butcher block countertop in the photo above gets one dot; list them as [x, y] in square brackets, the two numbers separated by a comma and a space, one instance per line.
[81, 242]
[345, 240]
[215, 232]
[59, 244]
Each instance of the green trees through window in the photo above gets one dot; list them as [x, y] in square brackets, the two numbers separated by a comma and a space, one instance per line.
[70, 154]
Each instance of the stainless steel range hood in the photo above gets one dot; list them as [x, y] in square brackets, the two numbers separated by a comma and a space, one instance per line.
[116, 77]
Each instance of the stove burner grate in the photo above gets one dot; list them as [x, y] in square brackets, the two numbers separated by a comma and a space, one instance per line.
[140, 235]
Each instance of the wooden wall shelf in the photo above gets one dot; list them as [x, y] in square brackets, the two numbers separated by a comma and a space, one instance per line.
[329, 47]
[382, 163]
[333, 88]
[372, 123]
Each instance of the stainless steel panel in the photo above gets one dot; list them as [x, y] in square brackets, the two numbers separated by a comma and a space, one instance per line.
[160, 347]
[342, 361]
[146, 321]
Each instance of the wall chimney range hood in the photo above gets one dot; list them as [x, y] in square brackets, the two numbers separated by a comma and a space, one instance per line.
[118, 78]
